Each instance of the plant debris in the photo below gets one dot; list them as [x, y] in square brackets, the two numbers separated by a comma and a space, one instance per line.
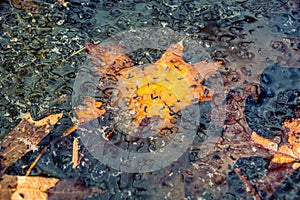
[284, 152]
[156, 91]
[25, 187]
[25, 137]
[37, 188]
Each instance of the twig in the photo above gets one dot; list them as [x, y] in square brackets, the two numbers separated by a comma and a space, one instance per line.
[35, 161]
[75, 153]
[81, 154]
[70, 130]
[76, 52]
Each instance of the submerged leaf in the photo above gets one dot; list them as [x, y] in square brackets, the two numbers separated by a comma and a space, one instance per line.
[33, 6]
[88, 110]
[37, 188]
[71, 189]
[25, 187]
[167, 86]
[264, 142]
[156, 91]
[24, 137]
[283, 152]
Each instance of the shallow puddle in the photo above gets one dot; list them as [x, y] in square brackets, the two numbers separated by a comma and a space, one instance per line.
[159, 99]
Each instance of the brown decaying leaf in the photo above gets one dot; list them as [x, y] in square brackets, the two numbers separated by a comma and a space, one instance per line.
[71, 189]
[25, 137]
[27, 5]
[274, 177]
[218, 156]
[250, 187]
[282, 155]
[25, 187]
[32, 6]
[236, 142]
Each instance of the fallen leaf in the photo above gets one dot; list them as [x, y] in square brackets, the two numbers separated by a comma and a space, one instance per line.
[27, 5]
[264, 142]
[110, 58]
[37, 188]
[62, 2]
[25, 187]
[217, 157]
[71, 189]
[88, 110]
[285, 155]
[167, 86]
[33, 6]
[158, 90]
[250, 187]
[282, 158]
[283, 152]
[275, 176]
[293, 127]
[25, 137]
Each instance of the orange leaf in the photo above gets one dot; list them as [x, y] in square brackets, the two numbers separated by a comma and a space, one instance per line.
[264, 142]
[286, 153]
[296, 165]
[88, 110]
[281, 159]
[293, 127]
[159, 89]
[168, 85]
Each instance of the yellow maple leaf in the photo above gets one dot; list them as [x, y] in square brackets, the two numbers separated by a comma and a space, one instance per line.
[157, 90]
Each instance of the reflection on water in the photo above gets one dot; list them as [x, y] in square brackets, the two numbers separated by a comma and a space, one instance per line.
[258, 42]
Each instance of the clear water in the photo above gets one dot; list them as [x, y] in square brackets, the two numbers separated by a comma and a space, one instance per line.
[38, 72]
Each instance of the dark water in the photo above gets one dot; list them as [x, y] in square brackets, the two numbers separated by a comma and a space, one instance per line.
[258, 42]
